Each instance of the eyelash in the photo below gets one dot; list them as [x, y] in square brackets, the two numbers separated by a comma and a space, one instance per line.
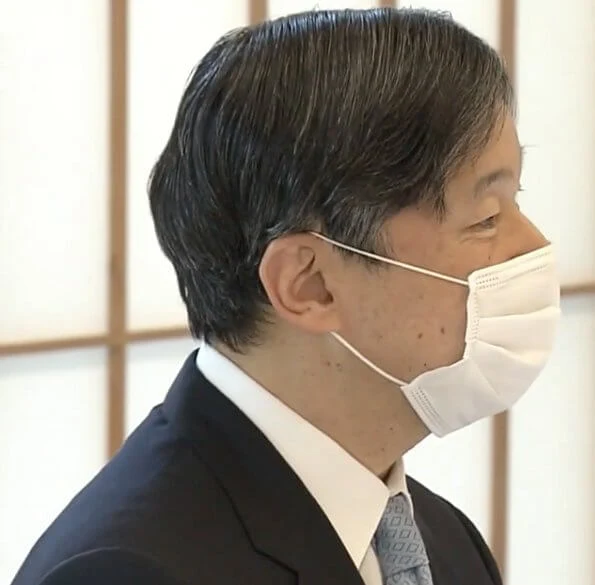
[488, 223]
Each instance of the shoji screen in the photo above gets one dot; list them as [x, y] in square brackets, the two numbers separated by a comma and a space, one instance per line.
[54, 150]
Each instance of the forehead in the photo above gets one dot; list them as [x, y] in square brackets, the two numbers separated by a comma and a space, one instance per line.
[501, 158]
[502, 148]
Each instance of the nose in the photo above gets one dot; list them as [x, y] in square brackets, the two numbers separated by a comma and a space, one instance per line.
[525, 236]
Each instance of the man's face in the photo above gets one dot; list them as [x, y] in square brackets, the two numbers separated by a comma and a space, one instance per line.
[408, 323]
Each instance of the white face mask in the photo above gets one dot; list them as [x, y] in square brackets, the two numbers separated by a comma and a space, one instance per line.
[512, 312]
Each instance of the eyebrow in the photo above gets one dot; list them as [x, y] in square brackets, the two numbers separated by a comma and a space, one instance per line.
[502, 174]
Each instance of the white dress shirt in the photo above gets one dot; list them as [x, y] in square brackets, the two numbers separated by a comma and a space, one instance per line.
[351, 496]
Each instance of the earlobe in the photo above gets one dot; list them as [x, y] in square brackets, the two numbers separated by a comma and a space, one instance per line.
[293, 278]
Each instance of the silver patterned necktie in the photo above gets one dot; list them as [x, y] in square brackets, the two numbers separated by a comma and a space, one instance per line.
[399, 546]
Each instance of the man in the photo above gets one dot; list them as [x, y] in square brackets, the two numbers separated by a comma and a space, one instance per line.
[338, 200]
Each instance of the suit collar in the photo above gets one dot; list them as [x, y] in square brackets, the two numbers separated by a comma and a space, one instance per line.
[281, 517]
[322, 465]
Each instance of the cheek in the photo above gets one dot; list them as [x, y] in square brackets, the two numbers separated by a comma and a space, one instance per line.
[432, 328]
[440, 329]
[407, 328]
[364, 309]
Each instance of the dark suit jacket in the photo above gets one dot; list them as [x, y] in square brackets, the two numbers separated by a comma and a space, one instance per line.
[198, 496]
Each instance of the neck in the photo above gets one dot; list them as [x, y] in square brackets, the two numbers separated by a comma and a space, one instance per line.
[330, 388]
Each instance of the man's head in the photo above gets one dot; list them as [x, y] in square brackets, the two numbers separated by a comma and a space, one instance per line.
[388, 130]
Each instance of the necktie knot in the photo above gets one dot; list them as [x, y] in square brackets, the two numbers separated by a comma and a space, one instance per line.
[399, 546]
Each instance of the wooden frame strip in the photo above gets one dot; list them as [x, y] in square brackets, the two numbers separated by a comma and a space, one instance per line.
[176, 332]
[579, 288]
[117, 228]
[257, 11]
[66, 343]
[501, 422]
[157, 334]
[499, 488]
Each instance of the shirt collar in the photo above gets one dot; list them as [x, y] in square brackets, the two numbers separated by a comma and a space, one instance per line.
[351, 497]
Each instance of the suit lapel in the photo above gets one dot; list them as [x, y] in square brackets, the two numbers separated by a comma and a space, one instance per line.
[281, 517]
[456, 551]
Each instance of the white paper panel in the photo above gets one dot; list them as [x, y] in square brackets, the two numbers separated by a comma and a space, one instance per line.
[552, 503]
[166, 42]
[556, 84]
[279, 8]
[52, 442]
[480, 16]
[151, 368]
[459, 468]
[53, 168]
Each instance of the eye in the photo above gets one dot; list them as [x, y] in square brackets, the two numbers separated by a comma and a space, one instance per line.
[489, 223]
[517, 195]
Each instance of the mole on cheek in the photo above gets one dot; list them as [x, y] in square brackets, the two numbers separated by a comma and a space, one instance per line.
[442, 330]
[420, 335]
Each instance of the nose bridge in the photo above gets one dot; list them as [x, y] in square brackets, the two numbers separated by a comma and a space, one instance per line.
[525, 237]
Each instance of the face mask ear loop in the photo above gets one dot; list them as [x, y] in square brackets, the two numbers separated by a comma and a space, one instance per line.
[391, 261]
[366, 361]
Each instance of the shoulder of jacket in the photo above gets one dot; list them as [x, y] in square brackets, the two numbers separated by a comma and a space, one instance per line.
[108, 566]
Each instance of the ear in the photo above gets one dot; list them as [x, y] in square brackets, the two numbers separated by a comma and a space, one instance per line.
[292, 272]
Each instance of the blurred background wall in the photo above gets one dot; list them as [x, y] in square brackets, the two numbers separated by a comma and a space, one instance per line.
[91, 327]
